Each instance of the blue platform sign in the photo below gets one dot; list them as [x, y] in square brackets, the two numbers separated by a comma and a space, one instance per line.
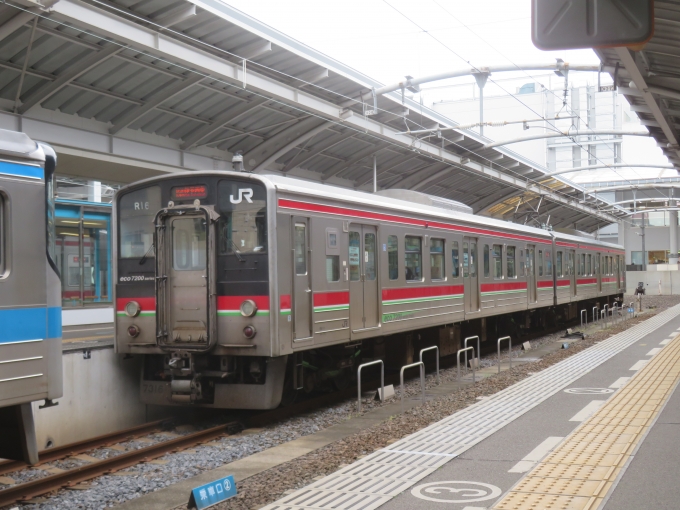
[212, 493]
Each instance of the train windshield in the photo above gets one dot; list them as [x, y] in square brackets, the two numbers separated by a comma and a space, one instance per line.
[136, 211]
[243, 217]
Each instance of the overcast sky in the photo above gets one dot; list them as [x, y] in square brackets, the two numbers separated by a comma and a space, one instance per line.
[388, 39]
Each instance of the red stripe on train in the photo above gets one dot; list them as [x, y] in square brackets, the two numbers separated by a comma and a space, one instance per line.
[498, 287]
[563, 283]
[285, 301]
[343, 211]
[234, 302]
[146, 304]
[331, 298]
[419, 292]
[543, 285]
[585, 281]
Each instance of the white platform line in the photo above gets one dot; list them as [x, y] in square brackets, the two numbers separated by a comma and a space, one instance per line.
[536, 455]
[666, 342]
[620, 382]
[588, 410]
[639, 365]
[654, 351]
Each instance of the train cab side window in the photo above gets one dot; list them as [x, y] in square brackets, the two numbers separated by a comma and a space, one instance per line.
[510, 261]
[300, 249]
[548, 263]
[540, 262]
[455, 260]
[437, 271]
[393, 257]
[486, 261]
[497, 261]
[558, 264]
[413, 248]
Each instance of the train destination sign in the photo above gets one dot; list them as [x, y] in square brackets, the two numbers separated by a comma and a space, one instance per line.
[212, 493]
[187, 192]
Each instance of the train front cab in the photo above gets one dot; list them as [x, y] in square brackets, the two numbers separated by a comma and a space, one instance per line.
[30, 302]
[192, 290]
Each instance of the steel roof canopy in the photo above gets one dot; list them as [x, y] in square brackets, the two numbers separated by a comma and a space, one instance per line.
[203, 78]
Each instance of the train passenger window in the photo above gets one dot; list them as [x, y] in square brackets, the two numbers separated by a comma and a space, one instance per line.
[510, 261]
[558, 264]
[393, 257]
[486, 261]
[369, 257]
[466, 261]
[300, 249]
[437, 271]
[473, 259]
[355, 256]
[455, 260]
[540, 262]
[589, 267]
[333, 268]
[548, 263]
[136, 211]
[188, 244]
[521, 264]
[414, 258]
[582, 265]
[497, 253]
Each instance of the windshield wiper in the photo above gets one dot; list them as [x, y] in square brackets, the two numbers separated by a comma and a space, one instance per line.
[236, 252]
[146, 255]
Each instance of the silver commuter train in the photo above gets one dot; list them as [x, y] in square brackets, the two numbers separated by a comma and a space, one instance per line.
[239, 289]
[30, 300]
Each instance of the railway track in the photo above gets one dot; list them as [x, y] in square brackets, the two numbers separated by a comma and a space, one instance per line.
[71, 477]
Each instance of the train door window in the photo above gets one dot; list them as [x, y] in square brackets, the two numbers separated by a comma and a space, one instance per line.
[521, 264]
[437, 271]
[540, 262]
[414, 258]
[497, 254]
[466, 260]
[188, 244]
[455, 260]
[369, 256]
[486, 261]
[548, 263]
[332, 255]
[332, 268]
[300, 251]
[393, 257]
[473, 259]
[558, 264]
[589, 266]
[354, 256]
[510, 261]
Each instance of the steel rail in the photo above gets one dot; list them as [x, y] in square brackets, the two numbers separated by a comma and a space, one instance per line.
[26, 491]
[60, 452]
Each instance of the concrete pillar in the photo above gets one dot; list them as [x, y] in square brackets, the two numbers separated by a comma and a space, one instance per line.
[673, 220]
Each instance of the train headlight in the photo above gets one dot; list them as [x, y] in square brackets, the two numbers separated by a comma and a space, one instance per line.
[249, 332]
[132, 309]
[248, 308]
[133, 331]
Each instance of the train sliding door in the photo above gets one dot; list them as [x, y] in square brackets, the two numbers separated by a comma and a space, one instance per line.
[470, 274]
[363, 278]
[302, 281]
[531, 273]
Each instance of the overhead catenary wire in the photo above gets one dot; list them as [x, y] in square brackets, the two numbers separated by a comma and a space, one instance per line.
[569, 199]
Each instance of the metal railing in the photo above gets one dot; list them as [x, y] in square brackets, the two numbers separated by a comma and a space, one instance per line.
[434, 347]
[465, 344]
[458, 362]
[632, 307]
[582, 312]
[509, 351]
[382, 381]
[603, 318]
[422, 381]
[594, 314]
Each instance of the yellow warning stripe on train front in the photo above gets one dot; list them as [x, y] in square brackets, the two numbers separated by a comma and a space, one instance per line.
[582, 470]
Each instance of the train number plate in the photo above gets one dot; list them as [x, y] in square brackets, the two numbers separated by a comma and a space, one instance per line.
[155, 388]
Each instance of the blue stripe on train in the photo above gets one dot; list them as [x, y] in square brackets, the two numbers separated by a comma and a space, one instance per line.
[32, 172]
[19, 324]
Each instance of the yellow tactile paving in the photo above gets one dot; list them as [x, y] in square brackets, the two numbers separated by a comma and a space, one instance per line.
[579, 473]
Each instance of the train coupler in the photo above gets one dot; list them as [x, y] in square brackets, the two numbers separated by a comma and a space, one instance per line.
[186, 391]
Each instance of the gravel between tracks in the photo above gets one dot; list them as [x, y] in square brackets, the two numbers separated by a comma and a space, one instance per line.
[266, 487]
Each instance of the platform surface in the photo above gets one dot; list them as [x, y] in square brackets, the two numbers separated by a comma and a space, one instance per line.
[473, 459]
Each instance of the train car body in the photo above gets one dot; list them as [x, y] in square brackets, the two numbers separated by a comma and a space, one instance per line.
[30, 300]
[235, 286]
